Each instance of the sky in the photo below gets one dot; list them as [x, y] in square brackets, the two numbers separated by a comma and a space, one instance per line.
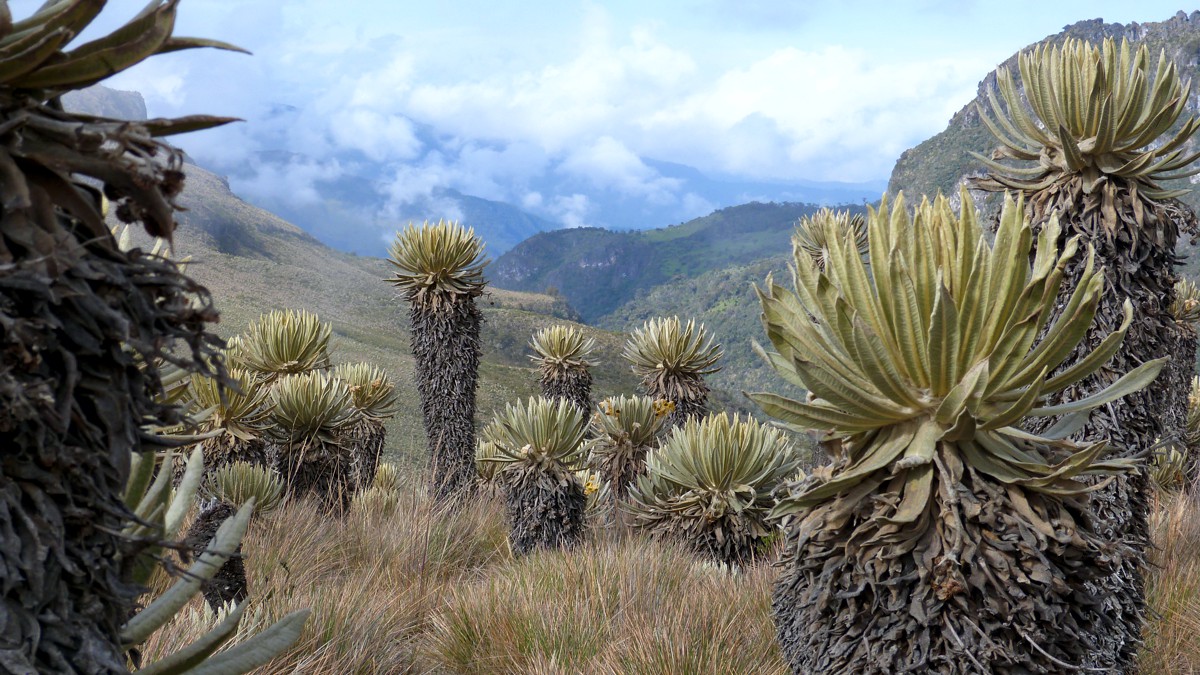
[496, 98]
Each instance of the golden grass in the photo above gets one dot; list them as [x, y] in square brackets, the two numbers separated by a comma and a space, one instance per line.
[631, 606]
[1173, 588]
[400, 586]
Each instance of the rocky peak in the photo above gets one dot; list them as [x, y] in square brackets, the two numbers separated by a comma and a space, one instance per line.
[104, 102]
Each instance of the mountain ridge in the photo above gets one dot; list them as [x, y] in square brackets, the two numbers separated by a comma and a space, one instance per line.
[943, 161]
[598, 270]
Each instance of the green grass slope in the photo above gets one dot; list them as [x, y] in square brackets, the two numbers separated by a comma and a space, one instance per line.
[724, 300]
[598, 270]
[254, 262]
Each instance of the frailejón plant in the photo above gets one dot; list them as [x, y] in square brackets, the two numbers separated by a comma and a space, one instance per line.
[439, 272]
[709, 486]
[538, 444]
[1094, 138]
[562, 354]
[942, 538]
[623, 430]
[672, 359]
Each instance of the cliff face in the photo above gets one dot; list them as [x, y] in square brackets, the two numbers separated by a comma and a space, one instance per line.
[942, 162]
[104, 102]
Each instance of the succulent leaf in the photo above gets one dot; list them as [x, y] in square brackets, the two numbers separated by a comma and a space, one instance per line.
[813, 232]
[373, 392]
[672, 359]
[487, 462]
[310, 405]
[560, 348]
[936, 343]
[1090, 119]
[924, 366]
[242, 413]
[164, 511]
[237, 483]
[623, 430]
[435, 264]
[711, 484]
[1186, 306]
[539, 435]
[285, 342]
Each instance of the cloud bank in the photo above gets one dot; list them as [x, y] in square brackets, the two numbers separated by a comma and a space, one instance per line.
[331, 96]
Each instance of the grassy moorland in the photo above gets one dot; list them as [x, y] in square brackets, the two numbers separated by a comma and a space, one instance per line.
[253, 262]
[400, 586]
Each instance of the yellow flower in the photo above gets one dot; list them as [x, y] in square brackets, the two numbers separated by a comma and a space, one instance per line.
[591, 481]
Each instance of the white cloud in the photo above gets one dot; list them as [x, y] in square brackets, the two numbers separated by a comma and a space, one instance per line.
[607, 163]
[293, 182]
[836, 110]
[531, 200]
[378, 136]
[561, 104]
[491, 116]
[790, 114]
[572, 210]
[695, 206]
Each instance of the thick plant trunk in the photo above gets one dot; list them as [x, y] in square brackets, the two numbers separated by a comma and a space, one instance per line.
[1178, 391]
[366, 440]
[72, 398]
[737, 546]
[226, 449]
[574, 385]
[229, 583]
[622, 466]
[60, 509]
[323, 469]
[445, 344]
[972, 586]
[1144, 273]
[544, 517]
[689, 394]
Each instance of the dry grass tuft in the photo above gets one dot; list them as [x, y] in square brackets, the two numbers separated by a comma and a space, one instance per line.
[372, 579]
[608, 607]
[1173, 587]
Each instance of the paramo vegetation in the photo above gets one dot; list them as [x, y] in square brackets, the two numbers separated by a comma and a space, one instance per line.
[991, 467]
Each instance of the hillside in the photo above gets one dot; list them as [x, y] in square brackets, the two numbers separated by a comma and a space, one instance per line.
[943, 161]
[599, 270]
[253, 261]
[725, 301]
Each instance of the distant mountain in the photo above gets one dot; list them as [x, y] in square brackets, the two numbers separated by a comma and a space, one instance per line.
[599, 270]
[104, 102]
[702, 193]
[943, 162]
[728, 191]
[359, 210]
[354, 200]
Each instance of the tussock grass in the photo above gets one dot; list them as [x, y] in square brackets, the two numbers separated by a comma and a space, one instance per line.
[401, 586]
[372, 578]
[631, 606]
[1173, 587]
